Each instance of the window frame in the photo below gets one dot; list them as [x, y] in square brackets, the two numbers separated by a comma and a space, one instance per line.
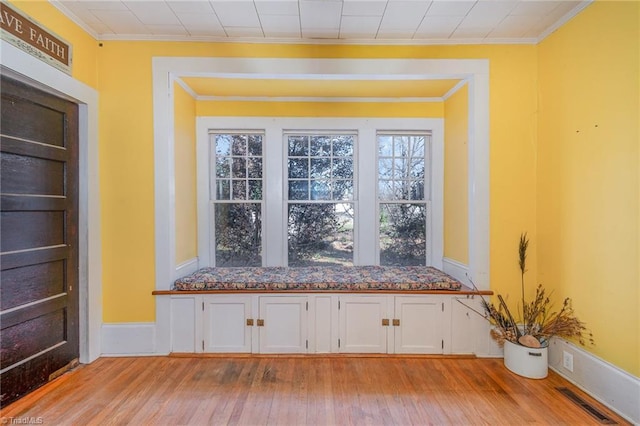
[428, 187]
[354, 198]
[275, 199]
[212, 190]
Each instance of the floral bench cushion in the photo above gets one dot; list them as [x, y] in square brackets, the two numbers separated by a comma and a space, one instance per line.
[314, 278]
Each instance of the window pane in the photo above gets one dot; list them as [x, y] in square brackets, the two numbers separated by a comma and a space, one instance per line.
[401, 146]
[400, 168]
[255, 190]
[320, 234]
[320, 190]
[385, 146]
[222, 167]
[255, 145]
[402, 234]
[343, 146]
[385, 168]
[403, 169]
[321, 168]
[343, 168]
[320, 146]
[298, 190]
[254, 167]
[385, 190]
[223, 191]
[342, 189]
[298, 146]
[239, 168]
[298, 168]
[239, 145]
[238, 229]
[417, 168]
[239, 189]
[327, 167]
[223, 145]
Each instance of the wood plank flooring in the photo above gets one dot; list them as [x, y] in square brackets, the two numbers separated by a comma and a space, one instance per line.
[299, 390]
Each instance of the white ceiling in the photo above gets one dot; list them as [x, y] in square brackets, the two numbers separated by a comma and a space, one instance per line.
[369, 21]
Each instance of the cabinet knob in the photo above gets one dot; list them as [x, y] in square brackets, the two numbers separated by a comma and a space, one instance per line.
[260, 323]
[249, 322]
[396, 322]
[385, 322]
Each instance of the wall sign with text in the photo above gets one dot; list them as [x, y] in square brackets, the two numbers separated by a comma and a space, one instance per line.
[34, 39]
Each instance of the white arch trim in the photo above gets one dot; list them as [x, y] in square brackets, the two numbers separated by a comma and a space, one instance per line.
[167, 69]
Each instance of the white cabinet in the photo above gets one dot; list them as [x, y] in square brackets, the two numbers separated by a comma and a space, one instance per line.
[361, 324]
[391, 324]
[225, 327]
[283, 324]
[418, 326]
[327, 323]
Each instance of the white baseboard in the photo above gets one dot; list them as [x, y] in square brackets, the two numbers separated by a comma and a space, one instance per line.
[187, 267]
[615, 388]
[129, 339]
[456, 269]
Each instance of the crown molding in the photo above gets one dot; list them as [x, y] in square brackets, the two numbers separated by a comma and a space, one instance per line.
[73, 17]
[313, 41]
[566, 18]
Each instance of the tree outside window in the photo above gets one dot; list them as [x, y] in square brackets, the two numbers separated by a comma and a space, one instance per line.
[403, 198]
[237, 199]
[320, 171]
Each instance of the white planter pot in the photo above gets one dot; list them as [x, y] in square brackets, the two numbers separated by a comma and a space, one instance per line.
[532, 363]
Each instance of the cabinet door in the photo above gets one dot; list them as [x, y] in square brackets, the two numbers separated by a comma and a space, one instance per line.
[225, 324]
[283, 324]
[361, 328]
[418, 325]
[466, 324]
[184, 320]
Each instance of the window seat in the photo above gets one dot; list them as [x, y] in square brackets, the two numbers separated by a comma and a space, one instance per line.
[373, 279]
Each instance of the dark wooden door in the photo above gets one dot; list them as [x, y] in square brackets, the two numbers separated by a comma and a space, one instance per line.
[39, 237]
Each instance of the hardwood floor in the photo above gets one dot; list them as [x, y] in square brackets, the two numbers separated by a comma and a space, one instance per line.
[299, 390]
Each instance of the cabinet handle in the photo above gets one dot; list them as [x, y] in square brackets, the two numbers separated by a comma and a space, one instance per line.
[260, 323]
[385, 322]
[396, 322]
[249, 322]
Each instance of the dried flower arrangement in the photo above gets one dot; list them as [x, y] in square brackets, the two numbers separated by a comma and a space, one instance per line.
[537, 323]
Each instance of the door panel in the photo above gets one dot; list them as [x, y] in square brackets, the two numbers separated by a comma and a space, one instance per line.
[29, 229]
[421, 325]
[30, 175]
[30, 283]
[361, 328]
[39, 237]
[225, 324]
[285, 324]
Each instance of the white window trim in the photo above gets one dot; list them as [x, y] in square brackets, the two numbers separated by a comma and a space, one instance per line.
[430, 180]
[275, 198]
[212, 201]
[165, 70]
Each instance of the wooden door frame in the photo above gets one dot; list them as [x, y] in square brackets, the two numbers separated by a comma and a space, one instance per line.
[23, 67]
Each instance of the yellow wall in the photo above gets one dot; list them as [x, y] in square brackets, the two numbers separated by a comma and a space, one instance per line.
[588, 174]
[320, 109]
[185, 175]
[456, 196]
[85, 47]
